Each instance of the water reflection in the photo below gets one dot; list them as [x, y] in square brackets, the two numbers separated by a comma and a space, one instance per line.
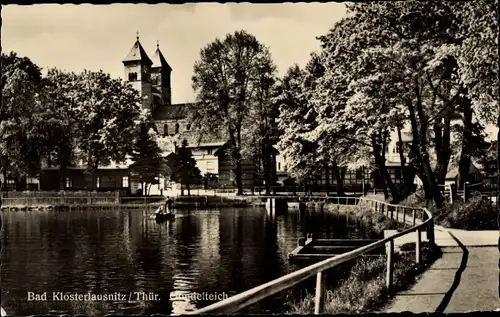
[205, 251]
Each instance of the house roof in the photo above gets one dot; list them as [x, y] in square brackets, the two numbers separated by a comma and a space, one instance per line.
[159, 60]
[136, 54]
[172, 112]
[196, 139]
[454, 171]
[273, 149]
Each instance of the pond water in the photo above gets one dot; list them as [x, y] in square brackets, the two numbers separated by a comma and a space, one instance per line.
[219, 252]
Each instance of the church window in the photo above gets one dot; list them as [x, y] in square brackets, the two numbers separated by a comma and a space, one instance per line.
[165, 130]
[176, 128]
[132, 76]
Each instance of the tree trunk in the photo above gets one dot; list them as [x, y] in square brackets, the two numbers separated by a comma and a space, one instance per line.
[239, 172]
[17, 182]
[327, 179]
[265, 164]
[382, 170]
[420, 152]
[236, 158]
[465, 155]
[62, 175]
[386, 177]
[442, 141]
[182, 189]
[340, 180]
[5, 164]
[189, 189]
[405, 170]
[95, 168]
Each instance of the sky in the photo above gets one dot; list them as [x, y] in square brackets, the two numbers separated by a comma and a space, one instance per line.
[94, 37]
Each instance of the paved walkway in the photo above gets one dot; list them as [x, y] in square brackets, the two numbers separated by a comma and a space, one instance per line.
[465, 278]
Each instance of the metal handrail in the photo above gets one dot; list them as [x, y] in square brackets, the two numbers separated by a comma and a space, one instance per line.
[263, 291]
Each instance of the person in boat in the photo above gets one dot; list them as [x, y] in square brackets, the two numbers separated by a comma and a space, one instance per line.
[169, 206]
[159, 210]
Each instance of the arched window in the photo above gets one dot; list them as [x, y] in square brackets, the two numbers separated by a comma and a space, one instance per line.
[165, 130]
[188, 127]
[132, 76]
[176, 128]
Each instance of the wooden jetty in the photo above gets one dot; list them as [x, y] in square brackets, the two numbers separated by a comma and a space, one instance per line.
[310, 248]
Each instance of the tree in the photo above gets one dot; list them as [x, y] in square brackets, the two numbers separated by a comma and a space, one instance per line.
[349, 121]
[225, 81]
[401, 43]
[296, 117]
[56, 121]
[478, 70]
[109, 113]
[20, 86]
[184, 169]
[260, 126]
[148, 164]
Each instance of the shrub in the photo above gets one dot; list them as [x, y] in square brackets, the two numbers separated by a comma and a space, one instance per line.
[475, 214]
[417, 199]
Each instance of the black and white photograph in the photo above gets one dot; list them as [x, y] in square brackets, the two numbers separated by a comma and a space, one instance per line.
[249, 158]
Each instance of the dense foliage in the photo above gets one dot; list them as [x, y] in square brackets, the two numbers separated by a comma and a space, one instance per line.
[63, 119]
[183, 168]
[148, 164]
[430, 67]
[233, 81]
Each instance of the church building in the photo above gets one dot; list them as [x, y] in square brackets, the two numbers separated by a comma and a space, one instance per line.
[151, 77]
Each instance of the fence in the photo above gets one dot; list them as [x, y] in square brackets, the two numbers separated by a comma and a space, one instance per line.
[261, 292]
[56, 194]
[56, 201]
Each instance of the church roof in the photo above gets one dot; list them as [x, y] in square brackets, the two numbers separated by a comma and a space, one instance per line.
[172, 112]
[159, 60]
[137, 53]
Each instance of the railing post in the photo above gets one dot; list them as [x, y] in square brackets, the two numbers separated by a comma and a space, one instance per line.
[390, 263]
[382, 205]
[417, 246]
[430, 231]
[320, 293]
[391, 209]
[404, 215]
[397, 213]
[414, 215]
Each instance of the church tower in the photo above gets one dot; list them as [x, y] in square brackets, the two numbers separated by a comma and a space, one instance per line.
[138, 73]
[160, 77]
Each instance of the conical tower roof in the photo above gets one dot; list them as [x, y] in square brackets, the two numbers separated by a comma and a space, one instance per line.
[137, 53]
[159, 60]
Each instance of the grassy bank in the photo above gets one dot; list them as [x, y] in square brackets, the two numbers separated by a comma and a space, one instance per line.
[376, 221]
[364, 289]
